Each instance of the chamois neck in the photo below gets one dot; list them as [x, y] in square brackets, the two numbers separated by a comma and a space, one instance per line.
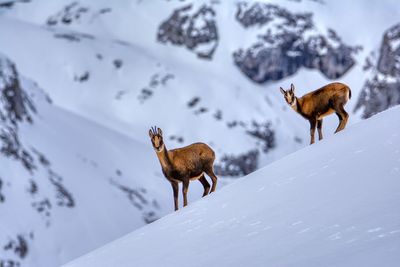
[163, 157]
[295, 105]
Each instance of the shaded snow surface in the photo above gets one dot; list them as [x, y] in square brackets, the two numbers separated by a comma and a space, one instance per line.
[335, 203]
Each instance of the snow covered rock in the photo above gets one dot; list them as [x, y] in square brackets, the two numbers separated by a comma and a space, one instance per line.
[287, 42]
[382, 90]
[195, 29]
[51, 174]
[75, 13]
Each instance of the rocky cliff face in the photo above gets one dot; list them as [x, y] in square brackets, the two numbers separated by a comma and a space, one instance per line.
[191, 28]
[382, 89]
[14, 107]
[287, 42]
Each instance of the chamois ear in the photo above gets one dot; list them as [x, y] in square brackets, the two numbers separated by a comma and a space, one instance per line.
[282, 91]
[159, 131]
[150, 133]
[292, 88]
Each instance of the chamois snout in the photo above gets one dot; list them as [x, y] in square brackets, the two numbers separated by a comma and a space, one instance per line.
[156, 138]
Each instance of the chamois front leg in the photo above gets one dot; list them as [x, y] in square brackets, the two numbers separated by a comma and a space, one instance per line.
[313, 123]
[185, 188]
[175, 188]
[319, 127]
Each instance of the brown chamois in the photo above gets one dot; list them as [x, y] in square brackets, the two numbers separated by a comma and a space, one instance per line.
[184, 164]
[322, 102]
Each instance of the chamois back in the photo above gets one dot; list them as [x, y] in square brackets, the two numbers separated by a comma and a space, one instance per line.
[317, 104]
[322, 102]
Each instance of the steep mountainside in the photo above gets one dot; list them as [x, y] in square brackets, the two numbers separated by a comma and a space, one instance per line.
[382, 90]
[321, 206]
[63, 178]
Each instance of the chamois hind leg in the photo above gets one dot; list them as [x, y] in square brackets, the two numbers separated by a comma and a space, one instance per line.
[210, 172]
[343, 117]
[185, 188]
[175, 188]
[313, 123]
[319, 127]
[205, 184]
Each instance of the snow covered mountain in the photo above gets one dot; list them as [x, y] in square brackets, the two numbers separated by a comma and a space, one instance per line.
[382, 89]
[82, 81]
[63, 177]
[321, 206]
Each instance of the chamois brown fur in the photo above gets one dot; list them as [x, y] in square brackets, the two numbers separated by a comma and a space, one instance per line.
[322, 102]
[184, 164]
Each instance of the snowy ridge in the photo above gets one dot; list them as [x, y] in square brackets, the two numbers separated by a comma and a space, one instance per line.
[321, 206]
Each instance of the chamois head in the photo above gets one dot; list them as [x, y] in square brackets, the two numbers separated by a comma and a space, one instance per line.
[289, 95]
[156, 139]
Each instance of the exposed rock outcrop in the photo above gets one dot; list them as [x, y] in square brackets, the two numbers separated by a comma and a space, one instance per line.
[74, 13]
[194, 29]
[237, 165]
[289, 41]
[382, 90]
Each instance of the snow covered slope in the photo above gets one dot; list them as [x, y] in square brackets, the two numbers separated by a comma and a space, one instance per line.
[82, 167]
[335, 203]
[64, 178]
[111, 63]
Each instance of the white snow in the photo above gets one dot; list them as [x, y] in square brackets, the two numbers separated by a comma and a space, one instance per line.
[95, 127]
[322, 206]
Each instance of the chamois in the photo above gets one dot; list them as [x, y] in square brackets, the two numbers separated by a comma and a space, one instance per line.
[320, 103]
[184, 164]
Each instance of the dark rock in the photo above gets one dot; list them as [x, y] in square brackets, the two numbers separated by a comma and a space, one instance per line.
[63, 196]
[218, 115]
[382, 90]
[264, 133]
[138, 198]
[287, 45]
[19, 246]
[43, 207]
[83, 77]
[237, 165]
[13, 99]
[196, 30]
[201, 110]
[2, 197]
[67, 15]
[193, 102]
[117, 63]
[33, 187]
[156, 81]
[10, 4]
[74, 37]
[15, 107]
